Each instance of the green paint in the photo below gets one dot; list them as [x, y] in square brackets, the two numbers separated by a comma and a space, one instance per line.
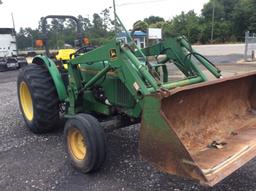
[124, 79]
[53, 70]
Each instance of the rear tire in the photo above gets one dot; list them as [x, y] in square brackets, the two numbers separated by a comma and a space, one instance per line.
[38, 98]
[85, 143]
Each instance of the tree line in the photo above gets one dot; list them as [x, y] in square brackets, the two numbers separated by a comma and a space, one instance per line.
[60, 32]
[230, 20]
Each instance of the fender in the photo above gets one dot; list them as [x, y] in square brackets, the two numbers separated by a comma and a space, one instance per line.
[55, 74]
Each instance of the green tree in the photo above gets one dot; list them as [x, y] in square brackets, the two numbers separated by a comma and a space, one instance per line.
[187, 24]
[229, 19]
[98, 28]
[157, 25]
[85, 23]
[107, 22]
[140, 25]
[244, 17]
[26, 37]
[232, 18]
[153, 20]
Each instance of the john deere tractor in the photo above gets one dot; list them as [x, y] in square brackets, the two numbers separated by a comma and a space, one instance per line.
[192, 127]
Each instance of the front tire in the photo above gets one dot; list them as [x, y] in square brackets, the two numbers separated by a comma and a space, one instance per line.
[38, 98]
[85, 143]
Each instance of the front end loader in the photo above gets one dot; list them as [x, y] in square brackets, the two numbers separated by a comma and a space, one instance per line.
[191, 127]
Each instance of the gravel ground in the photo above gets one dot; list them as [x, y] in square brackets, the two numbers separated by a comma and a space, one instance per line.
[31, 162]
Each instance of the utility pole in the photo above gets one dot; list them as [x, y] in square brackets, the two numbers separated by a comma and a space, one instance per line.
[13, 24]
[213, 18]
[114, 7]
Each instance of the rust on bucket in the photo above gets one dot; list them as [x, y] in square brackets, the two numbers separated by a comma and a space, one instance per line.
[204, 131]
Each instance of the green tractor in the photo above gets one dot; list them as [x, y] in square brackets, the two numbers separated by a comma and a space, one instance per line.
[192, 127]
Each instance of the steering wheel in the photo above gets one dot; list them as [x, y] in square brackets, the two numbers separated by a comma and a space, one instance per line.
[83, 50]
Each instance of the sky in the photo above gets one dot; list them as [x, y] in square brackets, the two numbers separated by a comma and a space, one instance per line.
[27, 13]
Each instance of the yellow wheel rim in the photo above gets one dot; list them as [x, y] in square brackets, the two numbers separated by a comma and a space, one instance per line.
[77, 144]
[26, 101]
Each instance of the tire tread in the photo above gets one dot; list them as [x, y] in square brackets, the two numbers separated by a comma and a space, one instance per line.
[44, 95]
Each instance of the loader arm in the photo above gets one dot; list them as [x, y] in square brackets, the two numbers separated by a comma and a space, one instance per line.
[119, 58]
[180, 52]
[129, 69]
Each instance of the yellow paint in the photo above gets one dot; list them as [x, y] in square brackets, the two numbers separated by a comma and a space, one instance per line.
[64, 54]
[26, 101]
[77, 144]
[65, 66]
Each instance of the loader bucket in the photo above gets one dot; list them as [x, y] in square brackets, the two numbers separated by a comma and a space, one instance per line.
[204, 131]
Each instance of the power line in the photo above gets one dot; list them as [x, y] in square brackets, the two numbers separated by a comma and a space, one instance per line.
[140, 2]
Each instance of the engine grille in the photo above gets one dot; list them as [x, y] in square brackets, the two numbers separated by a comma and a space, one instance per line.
[123, 96]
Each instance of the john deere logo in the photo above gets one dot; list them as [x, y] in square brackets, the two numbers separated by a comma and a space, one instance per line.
[113, 54]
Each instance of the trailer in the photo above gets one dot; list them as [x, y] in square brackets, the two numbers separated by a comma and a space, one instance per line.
[9, 58]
